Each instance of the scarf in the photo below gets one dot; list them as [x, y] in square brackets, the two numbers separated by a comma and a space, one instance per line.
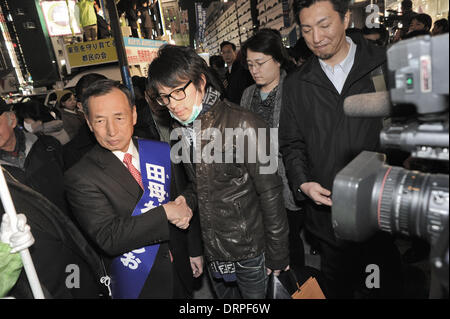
[264, 108]
[209, 99]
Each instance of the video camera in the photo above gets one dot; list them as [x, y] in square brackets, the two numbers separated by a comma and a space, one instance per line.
[369, 195]
[391, 19]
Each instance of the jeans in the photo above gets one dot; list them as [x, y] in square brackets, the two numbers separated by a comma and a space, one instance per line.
[251, 281]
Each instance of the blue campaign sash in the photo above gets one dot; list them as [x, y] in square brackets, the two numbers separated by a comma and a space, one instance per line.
[130, 270]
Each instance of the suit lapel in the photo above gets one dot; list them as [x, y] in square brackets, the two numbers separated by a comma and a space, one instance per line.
[113, 168]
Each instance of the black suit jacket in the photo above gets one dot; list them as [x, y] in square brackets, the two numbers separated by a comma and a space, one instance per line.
[103, 195]
[58, 243]
[238, 80]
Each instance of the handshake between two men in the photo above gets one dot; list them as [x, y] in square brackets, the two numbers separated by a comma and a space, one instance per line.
[178, 212]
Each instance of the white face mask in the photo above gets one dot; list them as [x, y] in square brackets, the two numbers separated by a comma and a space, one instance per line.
[28, 127]
[196, 109]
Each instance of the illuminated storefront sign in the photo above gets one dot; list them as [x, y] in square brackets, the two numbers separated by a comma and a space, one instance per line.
[60, 18]
[138, 51]
[91, 53]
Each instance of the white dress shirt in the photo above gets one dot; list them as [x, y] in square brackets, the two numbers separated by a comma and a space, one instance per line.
[338, 74]
[134, 154]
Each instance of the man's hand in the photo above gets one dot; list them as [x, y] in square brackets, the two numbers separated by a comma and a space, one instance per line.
[197, 266]
[178, 212]
[276, 272]
[317, 193]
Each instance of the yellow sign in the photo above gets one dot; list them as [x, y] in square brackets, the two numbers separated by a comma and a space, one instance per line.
[91, 53]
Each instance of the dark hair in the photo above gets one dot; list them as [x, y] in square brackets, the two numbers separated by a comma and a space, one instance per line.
[103, 87]
[217, 61]
[52, 99]
[425, 19]
[268, 42]
[85, 81]
[175, 65]
[381, 30]
[65, 97]
[224, 43]
[442, 23]
[34, 110]
[340, 6]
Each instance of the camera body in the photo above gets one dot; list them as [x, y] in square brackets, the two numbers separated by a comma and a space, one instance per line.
[369, 195]
[392, 19]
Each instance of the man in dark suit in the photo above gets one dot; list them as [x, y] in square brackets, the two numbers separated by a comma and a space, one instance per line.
[237, 77]
[147, 22]
[103, 192]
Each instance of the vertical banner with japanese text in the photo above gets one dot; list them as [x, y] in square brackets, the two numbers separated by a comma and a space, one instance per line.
[200, 15]
[130, 270]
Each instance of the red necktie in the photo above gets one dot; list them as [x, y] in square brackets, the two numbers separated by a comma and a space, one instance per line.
[133, 170]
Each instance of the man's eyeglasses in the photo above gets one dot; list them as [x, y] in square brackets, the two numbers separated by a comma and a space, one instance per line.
[177, 95]
[257, 65]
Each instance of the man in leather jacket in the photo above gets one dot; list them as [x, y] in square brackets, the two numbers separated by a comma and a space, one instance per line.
[240, 202]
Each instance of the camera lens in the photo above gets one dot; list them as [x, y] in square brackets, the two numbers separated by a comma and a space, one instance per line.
[369, 195]
[411, 202]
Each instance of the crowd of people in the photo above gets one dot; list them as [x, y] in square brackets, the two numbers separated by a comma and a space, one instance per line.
[138, 16]
[76, 172]
[89, 15]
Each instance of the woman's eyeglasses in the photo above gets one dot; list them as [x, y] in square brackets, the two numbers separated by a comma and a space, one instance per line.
[257, 65]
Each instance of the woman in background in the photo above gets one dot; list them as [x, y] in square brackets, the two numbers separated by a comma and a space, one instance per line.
[36, 119]
[71, 116]
[268, 62]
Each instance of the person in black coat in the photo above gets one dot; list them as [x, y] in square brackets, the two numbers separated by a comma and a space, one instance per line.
[147, 22]
[35, 161]
[237, 77]
[145, 126]
[132, 16]
[317, 140]
[103, 28]
[103, 194]
[65, 263]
